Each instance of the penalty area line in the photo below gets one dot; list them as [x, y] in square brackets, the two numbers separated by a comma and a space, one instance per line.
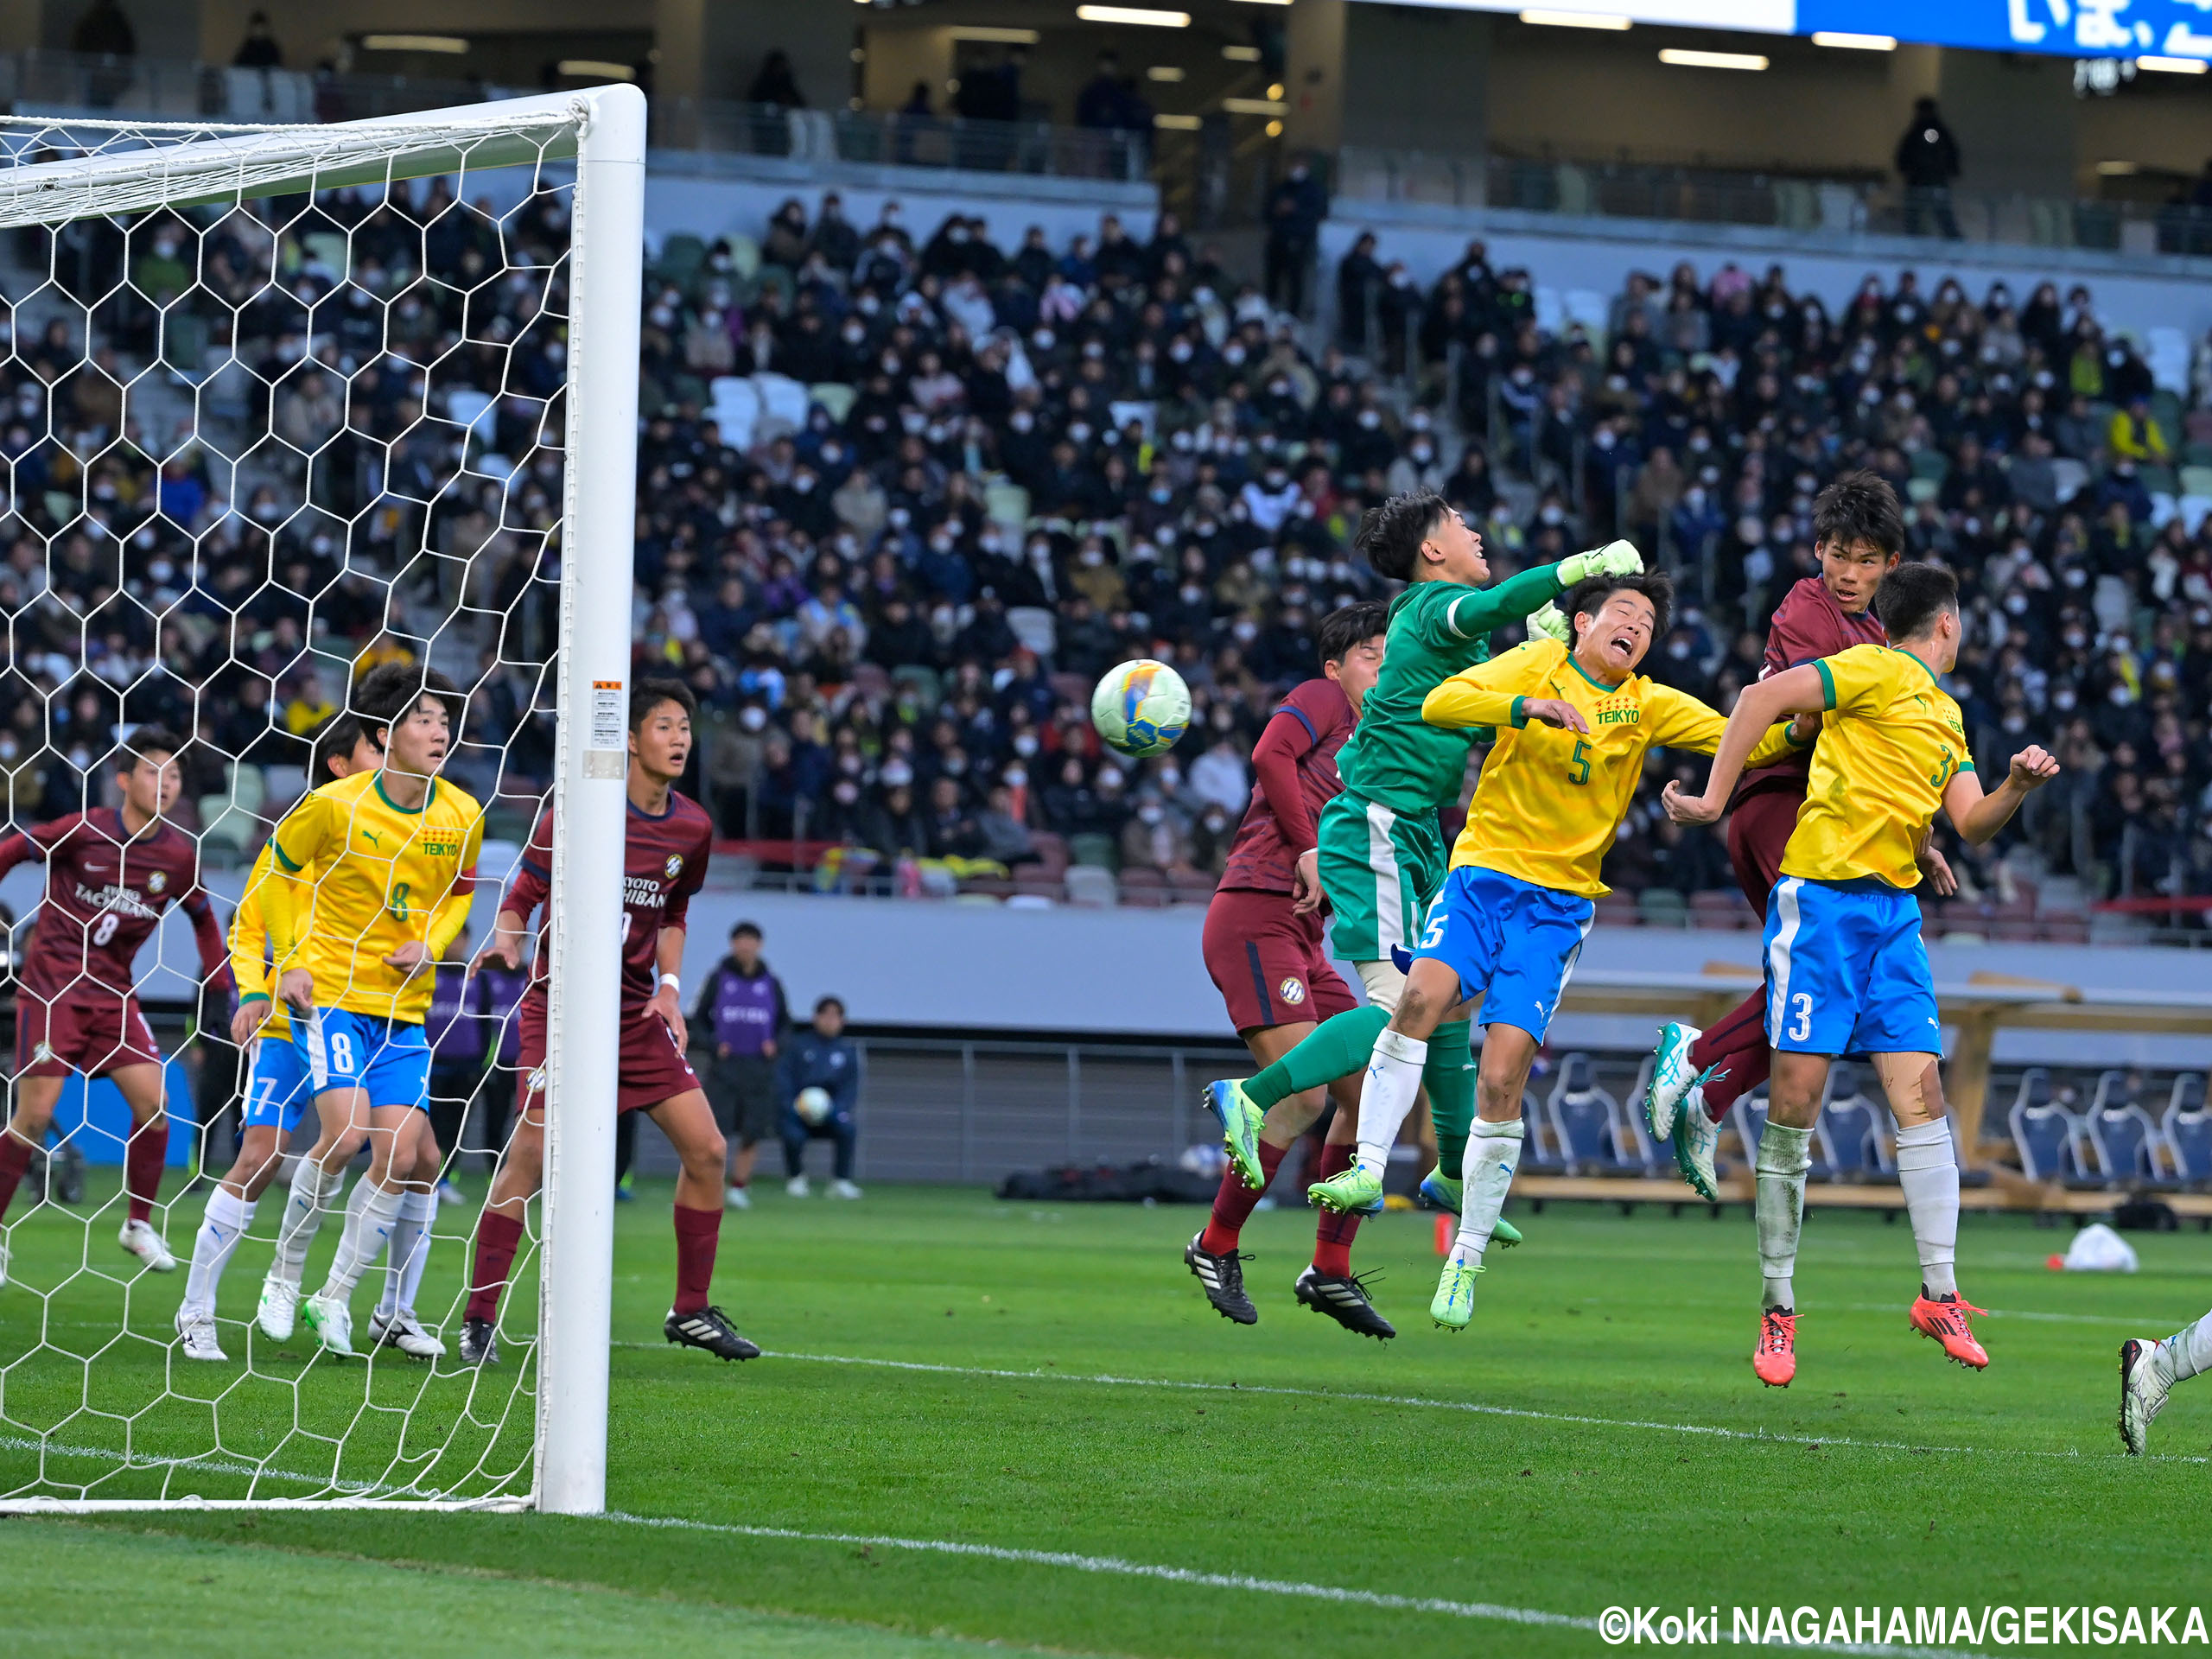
[1493, 1612]
[1711, 1431]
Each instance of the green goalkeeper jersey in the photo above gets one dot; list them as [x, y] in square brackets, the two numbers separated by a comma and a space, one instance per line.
[1438, 629]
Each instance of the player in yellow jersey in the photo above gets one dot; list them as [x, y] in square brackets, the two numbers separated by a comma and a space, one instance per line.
[1574, 724]
[1847, 969]
[371, 881]
[277, 1083]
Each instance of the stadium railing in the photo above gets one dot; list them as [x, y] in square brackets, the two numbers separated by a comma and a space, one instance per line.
[40, 82]
[1854, 204]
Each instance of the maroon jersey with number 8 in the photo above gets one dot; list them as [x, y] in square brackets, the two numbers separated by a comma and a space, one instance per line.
[105, 895]
[663, 863]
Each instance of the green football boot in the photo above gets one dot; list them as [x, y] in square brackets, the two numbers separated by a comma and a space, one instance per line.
[1240, 1122]
[1352, 1190]
[1455, 1296]
[1441, 1191]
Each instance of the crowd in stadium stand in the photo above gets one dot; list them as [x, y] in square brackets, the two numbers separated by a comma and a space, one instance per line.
[905, 492]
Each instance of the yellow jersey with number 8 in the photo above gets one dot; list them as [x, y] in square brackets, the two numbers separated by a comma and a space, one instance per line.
[381, 877]
[1890, 743]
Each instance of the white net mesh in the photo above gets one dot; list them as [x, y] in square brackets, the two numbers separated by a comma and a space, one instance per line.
[282, 407]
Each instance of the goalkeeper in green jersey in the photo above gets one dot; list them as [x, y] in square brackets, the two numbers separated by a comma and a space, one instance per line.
[1381, 855]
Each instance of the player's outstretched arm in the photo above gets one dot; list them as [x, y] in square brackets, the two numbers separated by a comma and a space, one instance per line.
[1675, 720]
[1764, 702]
[1495, 693]
[1977, 817]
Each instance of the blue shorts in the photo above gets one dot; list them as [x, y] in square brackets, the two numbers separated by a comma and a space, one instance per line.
[277, 1090]
[1847, 971]
[344, 1050]
[1512, 944]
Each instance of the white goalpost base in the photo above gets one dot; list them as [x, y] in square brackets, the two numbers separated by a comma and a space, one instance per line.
[138, 168]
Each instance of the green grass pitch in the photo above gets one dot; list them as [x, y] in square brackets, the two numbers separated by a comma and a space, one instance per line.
[994, 1422]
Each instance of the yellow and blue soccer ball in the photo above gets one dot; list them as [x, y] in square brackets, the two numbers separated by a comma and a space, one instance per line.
[1141, 708]
[813, 1106]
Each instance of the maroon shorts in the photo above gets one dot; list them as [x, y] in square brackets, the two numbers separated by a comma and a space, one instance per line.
[651, 1069]
[93, 1030]
[1758, 829]
[1268, 964]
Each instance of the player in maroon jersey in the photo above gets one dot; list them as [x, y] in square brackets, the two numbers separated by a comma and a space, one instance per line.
[1859, 534]
[1267, 958]
[664, 860]
[110, 873]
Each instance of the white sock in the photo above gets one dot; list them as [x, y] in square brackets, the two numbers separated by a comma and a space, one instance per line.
[2189, 1350]
[1493, 1150]
[228, 1217]
[368, 1226]
[1783, 1156]
[312, 1194]
[1928, 1170]
[1393, 1081]
[410, 1253]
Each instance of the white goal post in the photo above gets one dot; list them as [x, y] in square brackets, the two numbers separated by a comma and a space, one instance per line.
[124, 168]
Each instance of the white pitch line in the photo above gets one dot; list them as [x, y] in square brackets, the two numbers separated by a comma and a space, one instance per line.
[1476, 1407]
[1494, 1612]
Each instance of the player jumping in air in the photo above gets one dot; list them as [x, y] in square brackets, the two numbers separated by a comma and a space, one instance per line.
[664, 860]
[110, 873]
[1266, 957]
[1696, 1076]
[1381, 856]
[1847, 971]
[277, 1092]
[370, 881]
[1573, 727]
[2149, 1369]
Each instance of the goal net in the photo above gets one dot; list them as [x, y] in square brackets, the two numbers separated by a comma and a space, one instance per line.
[277, 406]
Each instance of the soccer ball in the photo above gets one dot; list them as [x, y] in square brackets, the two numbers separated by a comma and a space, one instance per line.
[1141, 708]
[812, 1105]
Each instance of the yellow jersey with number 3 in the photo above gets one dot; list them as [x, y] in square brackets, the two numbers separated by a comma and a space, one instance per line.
[381, 877]
[1890, 744]
[1549, 800]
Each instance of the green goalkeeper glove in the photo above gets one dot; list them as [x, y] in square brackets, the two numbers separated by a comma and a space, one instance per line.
[1614, 559]
[1550, 623]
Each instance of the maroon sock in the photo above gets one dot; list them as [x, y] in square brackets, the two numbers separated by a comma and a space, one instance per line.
[1333, 1234]
[1734, 1048]
[1233, 1205]
[15, 1159]
[143, 1155]
[697, 1232]
[497, 1238]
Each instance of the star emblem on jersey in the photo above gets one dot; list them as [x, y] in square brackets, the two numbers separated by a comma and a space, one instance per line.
[1292, 991]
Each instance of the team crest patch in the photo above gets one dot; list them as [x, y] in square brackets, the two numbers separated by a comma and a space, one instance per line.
[157, 881]
[1292, 991]
[674, 865]
[42, 1053]
[537, 1084]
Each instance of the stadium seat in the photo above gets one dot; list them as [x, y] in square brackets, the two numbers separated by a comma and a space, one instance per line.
[1720, 912]
[1594, 1135]
[1850, 1139]
[1662, 907]
[834, 396]
[2120, 1132]
[783, 403]
[1195, 889]
[1146, 889]
[1617, 909]
[1096, 850]
[680, 256]
[2070, 476]
[1091, 885]
[1539, 1147]
[736, 408]
[2046, 1136]
[2186, 1128]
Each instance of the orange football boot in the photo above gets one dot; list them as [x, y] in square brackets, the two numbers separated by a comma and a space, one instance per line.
[1944, 1318]
[1774, 1359]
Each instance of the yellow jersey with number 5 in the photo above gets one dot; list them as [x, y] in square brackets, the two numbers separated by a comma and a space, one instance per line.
[381, 877]
[1890, 743]
[1549, 800]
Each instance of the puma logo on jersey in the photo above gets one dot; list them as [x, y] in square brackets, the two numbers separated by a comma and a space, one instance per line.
[375, 838]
